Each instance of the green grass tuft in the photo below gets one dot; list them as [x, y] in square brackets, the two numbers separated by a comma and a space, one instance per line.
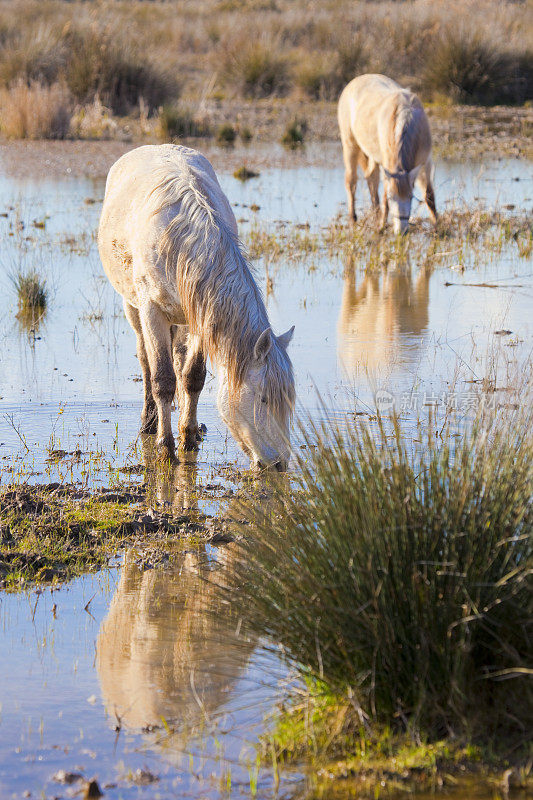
[178, 122]
[32, 293]
[226, 134]
[294, 134]
[244, 174]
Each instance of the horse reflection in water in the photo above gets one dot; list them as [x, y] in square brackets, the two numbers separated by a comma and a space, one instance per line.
[173, 486]
[170, 647]
[377, 314]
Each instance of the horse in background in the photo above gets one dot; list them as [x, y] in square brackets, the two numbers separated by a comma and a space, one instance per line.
[168, 243]
[384, 126]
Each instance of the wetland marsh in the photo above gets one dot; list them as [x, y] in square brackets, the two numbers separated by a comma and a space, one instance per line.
[121, 674]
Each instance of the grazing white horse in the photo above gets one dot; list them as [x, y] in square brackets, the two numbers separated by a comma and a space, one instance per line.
[168, 243]
[384, 126]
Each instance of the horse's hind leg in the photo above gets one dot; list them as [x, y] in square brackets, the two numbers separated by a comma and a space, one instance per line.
[425, 180]
[189, 364]
[149, 412]
[156, 334]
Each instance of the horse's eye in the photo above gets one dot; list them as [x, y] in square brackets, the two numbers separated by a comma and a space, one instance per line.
[263, 400]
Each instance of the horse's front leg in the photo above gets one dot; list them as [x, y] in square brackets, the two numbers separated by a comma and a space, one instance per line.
[429, 197]
[156, 335]
[350, 153]
[189, 364]
[372, 179]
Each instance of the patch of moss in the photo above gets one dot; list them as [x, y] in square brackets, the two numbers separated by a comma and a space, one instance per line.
[50, 534]
[344, 754]
[244, 174]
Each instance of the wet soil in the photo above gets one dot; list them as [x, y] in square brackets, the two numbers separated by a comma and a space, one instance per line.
[50, 533]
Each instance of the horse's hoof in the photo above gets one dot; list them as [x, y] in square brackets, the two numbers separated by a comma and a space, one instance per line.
[189, 441]
[188, 445]
[189, 438]
[166, 453]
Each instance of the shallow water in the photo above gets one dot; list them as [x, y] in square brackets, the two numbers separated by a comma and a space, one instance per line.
[126, 671]
[69, 673]
[74, 382]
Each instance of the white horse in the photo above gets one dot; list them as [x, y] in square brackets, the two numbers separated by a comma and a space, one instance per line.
[384, 126]
[168, 243]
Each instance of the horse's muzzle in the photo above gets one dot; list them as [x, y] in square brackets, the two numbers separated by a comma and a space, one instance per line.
[279, 466]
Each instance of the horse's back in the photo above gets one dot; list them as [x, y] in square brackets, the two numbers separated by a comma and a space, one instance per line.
[144, 192]
[368, 106]
[363, 95]
[137, 179]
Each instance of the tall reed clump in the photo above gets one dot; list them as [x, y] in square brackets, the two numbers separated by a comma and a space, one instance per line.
[468, 68]
[105, 65]
[394, 576]
[255, 68]
[177, 122]
[35, 111]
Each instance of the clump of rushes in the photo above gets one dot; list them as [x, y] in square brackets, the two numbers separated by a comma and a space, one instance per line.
[255, 68]
[99, 64]
[467, 68]
[178, 122]
[294, 134]
[394, 576]
[244, 174]
[226, 134]
[32, 294]
[245, 134]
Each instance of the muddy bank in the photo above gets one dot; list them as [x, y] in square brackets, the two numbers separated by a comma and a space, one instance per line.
[458, 131]
[52, 533]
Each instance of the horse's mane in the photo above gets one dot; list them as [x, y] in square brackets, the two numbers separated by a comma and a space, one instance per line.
[220, 298]
[404, 136]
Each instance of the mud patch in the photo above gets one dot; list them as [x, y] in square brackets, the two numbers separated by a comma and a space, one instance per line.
[51, 533]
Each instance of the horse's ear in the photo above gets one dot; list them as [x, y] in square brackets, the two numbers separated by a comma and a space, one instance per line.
[263, 345]
[413, 175]
[285, 338]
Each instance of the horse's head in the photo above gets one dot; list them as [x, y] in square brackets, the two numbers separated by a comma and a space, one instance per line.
[258, 411]
[398, 187]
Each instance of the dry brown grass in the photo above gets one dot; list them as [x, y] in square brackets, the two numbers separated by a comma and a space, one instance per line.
[35, 111]
[256, 48]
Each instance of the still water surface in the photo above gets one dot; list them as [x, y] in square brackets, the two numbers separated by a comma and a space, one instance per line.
[123, 670]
